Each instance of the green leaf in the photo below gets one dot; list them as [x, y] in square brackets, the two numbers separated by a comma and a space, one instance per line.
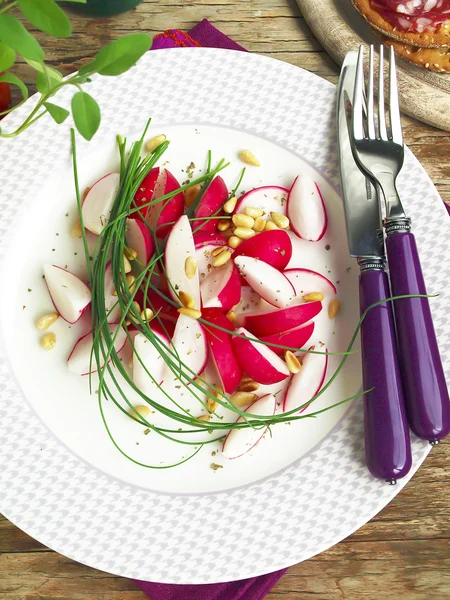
[118, 56]
[78, 1]
[13, 80]
[58, 113]
[86, 114]
[7, 57]
[13, 33]
[47, 16]
[46, 78]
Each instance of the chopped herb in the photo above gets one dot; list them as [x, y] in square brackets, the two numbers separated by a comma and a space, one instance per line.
[215, 466]
[146, 431]
[30, 290]
[327, 247]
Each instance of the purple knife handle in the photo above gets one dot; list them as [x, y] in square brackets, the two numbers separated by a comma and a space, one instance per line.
[426, 393]
[388, 446]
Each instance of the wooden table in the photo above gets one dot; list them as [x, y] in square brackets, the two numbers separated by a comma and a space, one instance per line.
[405, 550]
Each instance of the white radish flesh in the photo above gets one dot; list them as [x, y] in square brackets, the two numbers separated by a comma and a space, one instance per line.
[306, 209]
[79, 361]
[306, 281]
[111, 301]
[69, 294]
[308, 382]
[222, 287]
[139, 238]
[99, 201]
[267, 198]
[267, 281]
[148, 363]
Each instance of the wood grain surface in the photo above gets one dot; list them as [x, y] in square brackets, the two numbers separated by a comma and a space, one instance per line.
[404, 552]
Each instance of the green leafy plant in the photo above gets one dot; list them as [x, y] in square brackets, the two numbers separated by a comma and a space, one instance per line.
[114, 59]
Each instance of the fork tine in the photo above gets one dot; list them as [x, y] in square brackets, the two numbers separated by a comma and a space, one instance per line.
[394, 109]
[381, 111]
[358, 98]
[370, 93]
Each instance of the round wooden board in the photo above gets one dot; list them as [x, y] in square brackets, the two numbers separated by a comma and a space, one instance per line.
[339, 27]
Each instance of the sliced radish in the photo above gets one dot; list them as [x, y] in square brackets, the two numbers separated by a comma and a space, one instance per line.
[146, 190]
[147, 360]
[204, 258]
[281, 320]
[179, 246]
[161, 214]
[272, 247]
[306, 281]
[111, 303]
[267, 281]
[222, 287]
[258, 361]
[82, 361]
[208, 238]
[222, 349]
[139, 238]
[306, 209]
[69, 294]
[99, 201]
[240, 441]
[292, 338]
[307, 383]
[211, 203]
[268, 198]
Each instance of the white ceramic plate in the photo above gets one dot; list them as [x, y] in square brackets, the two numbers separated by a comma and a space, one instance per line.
[61, 480]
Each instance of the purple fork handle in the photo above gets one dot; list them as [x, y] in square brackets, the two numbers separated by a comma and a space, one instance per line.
[388, 446]
[426, 394]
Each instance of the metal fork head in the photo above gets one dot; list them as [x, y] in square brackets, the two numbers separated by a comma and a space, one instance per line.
[377, 147]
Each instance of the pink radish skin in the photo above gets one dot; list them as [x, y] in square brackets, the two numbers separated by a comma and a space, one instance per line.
[69, 294]
[139, 238]
[221, 349]
[258, 361]
[306, 209]
[146, 190]
[308, 382]
[179, 246]
[79, 361]
[292, 338]
[111, 302]
[151, 359]
[269, 198]
[240, 441]
[281, 320]
[306, 281]
[211, 202]
[98, 203]
[222, 287]
[267, 281]
[162, 213]
[272, 247]
[205, 238]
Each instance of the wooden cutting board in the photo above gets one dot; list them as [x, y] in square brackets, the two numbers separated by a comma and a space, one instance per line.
[340, 28]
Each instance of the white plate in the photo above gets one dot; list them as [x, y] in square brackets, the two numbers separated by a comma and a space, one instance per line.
[61, 480]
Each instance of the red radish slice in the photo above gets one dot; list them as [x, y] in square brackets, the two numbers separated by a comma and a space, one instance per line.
[151, 362]
[208, 238]
[79, 361]
[99, 201]
[111, 302]
[306, 281]
[307, 383]
[211, 202]
[146, 190]
[222, 287]
[139, 238]
[306, 209]
[161, 214]
[240, 441]
[69, 294]
[272, 247]
[179, 246]
[222, 349]
[281, 320]
[267, 281]
[292, 338]
[268, 198]
[258, 361]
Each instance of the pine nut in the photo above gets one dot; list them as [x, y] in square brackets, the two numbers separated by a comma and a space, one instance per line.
[222, 259]
[246, 379]
[228, 233]
[190, 312]
[154, 142]
[234, 241]
[85, 193]
[190, 267]
[126, 265]
[48, 341]
[243, 221]
[191, 194]
[218, 250]
[240, 399]
[212, 405]
[130, 253]
[334, 308]
[292, 362]
[135, 308]
[281, 220]
[231, 316]
[45, 321]
[142, 410]
[244, 233]
[253, 211]
[76, 230]
[249, 158]
[114, 292]
[186, 300]
[270, 226]
[249, 386]
[260, 224]
[204, 418]
[230, 205]
[131, 282]
[223, 224]
[313, 297]
[147, 314]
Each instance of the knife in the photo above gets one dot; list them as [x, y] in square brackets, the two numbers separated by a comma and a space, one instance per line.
[387, 441]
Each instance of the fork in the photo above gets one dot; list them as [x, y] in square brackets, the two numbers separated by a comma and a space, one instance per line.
[379, 154]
